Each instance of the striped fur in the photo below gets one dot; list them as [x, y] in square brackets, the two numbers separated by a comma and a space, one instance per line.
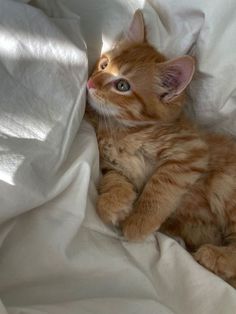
[160, 172]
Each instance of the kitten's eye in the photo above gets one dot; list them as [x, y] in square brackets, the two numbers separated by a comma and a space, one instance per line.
[103, 63]
[122, 85]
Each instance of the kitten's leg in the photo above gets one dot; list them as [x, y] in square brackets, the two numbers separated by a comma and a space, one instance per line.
[161, 196]
[194, 221]
[221, 260]
[116, 198]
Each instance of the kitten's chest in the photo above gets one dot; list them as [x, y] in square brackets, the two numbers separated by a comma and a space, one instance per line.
[129, 156]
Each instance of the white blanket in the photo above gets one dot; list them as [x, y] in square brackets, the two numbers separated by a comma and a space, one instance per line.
[56, 256]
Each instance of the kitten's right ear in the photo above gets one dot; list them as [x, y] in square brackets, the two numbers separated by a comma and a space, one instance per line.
[136, 31]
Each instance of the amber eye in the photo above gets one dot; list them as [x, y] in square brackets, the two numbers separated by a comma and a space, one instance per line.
[103, 63]
[122, 85]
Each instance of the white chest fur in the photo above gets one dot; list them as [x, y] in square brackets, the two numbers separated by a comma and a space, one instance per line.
[127, 156]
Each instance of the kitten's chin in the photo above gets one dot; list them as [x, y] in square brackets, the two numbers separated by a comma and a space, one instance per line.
[107, 110]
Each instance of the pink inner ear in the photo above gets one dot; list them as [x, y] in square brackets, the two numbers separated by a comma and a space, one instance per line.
[176, 75]
[172, 79]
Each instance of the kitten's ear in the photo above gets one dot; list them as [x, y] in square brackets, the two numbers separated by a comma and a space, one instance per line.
[175, 75]
[136, 31]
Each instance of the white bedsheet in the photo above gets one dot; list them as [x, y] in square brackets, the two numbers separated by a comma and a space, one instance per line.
[56, 256]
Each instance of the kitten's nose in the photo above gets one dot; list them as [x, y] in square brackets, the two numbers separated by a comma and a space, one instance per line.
[90, 84]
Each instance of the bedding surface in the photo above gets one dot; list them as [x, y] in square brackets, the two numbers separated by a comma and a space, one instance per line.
[56, 256]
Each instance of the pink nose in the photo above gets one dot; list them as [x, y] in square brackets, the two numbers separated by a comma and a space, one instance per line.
[90, 84]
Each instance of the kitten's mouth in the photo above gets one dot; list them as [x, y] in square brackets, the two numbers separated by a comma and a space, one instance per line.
[99, 105]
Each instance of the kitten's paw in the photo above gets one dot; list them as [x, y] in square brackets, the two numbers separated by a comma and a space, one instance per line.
[137, 227]
[110, 210]
[109, 153]
[214, 259]
[206, 256]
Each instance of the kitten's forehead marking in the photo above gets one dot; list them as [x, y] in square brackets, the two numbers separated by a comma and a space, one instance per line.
[114, 70]
[125, 69]
[119, 70]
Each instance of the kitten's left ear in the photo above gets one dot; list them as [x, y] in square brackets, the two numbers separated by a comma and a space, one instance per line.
[136, 31]
[174, 76]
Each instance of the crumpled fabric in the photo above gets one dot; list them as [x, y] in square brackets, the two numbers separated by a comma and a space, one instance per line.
[56, 256]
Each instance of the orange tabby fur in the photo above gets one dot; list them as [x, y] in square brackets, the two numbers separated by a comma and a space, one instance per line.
[160, 172]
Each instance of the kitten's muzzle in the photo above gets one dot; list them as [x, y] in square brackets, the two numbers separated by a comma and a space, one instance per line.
[90, 84]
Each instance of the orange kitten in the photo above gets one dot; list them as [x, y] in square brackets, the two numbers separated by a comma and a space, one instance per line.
[160, 172]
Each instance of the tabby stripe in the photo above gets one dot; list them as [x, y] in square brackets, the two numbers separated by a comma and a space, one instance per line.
[140, 99]
[183, 162]
[187, 138]
[163, 178]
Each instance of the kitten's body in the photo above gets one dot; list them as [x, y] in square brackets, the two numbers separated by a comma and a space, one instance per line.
[160, 171]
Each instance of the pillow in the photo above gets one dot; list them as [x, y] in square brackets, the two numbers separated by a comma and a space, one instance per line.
[42, 99]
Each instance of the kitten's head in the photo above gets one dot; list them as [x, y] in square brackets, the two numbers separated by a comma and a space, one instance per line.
[134, 83]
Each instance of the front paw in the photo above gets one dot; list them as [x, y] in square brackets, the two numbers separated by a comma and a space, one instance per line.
[111, 210]
[108, 152]
[137, 227]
